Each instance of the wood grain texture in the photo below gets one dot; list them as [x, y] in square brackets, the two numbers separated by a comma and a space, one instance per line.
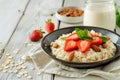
[32, 19]
[10, 14]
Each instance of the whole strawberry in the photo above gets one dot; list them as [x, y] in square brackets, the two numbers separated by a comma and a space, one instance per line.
[49, 26]
[36, 35]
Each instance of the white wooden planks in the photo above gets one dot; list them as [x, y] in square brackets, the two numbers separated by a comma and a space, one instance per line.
[10, 13]
[32, 19]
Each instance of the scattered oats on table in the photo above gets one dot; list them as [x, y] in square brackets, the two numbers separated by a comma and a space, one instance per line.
[32, 68]
[29, 77]
[7, 54]
[16, 51]
[24, 67]
[10, 57]
[39, 73]
[19, 76]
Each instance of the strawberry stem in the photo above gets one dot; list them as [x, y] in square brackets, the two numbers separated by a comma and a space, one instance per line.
[49, 20]
[41, 31]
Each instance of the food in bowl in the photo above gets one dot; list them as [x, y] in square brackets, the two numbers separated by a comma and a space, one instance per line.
[83, 46]
[71, 12]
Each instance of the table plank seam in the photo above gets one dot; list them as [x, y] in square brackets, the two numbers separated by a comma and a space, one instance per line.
[2, 52]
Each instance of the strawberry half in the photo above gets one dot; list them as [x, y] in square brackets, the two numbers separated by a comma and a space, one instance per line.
[84, 45]
[97, 41]
[70, 45]
[73, 36]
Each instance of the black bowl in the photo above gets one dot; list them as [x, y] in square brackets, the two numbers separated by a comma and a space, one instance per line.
[54, 35]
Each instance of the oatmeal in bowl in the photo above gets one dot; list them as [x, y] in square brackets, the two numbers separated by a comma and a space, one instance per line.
[83, 46]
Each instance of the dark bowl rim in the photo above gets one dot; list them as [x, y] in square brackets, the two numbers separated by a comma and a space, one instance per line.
[78, 63]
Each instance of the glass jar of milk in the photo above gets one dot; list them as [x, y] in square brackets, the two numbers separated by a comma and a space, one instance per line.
[100, 13]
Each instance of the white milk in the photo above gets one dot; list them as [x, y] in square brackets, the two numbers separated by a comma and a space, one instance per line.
[100, 15]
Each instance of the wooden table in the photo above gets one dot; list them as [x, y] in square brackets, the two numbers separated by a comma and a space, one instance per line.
[18, 19]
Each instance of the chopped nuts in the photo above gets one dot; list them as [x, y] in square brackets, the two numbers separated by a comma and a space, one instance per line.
[95, 48]
[71, 12]
[104, 45]
[55, 45]
[71, 56]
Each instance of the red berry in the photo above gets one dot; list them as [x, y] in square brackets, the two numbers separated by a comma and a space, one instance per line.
[97, 41]
[49, 26]
[36, 35]
[70, 45]
[84, 45]
[73, 36]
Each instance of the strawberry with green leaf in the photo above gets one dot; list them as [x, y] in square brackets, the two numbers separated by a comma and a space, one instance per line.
[36, 35]
[49, 26]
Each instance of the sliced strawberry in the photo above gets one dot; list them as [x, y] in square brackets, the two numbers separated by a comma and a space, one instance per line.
[73, 36]
[84, 45]
[97, 41]
[70, 45]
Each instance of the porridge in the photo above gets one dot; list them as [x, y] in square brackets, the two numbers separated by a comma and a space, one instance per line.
[83, 46]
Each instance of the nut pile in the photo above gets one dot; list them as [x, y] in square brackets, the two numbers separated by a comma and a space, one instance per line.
[71, 12]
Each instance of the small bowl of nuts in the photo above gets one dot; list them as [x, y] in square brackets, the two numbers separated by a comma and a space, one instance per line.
[70, 14]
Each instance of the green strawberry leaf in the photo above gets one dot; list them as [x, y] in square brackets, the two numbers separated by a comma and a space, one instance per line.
[79, 32]
[104, 38]
[83, 34]
[87, 38]
[49, 20]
